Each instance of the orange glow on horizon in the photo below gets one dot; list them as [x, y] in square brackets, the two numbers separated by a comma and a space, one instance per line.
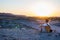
[29, 13]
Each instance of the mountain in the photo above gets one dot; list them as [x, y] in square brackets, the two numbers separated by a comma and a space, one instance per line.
[11, 16]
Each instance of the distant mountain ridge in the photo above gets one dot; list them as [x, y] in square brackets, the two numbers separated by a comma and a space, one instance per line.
[12, 16]
[9, 16]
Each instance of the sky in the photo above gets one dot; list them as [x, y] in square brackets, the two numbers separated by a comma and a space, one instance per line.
[31, 7]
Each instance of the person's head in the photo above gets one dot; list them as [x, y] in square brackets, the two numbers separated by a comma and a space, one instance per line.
[46, 20]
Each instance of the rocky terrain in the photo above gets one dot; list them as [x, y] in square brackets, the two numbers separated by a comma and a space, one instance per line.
[20, 28]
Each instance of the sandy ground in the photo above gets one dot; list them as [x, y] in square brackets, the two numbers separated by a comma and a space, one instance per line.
[26, 34]
[29, 33]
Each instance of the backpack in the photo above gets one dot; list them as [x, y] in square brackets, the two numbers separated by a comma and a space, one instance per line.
[48, 28]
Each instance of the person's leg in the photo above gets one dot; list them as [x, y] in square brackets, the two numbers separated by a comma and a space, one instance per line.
[41, 29]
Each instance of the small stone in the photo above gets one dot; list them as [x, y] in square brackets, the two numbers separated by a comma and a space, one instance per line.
[5, 39]
[14, 39]
[59, 34]
[55, 35]
[3, 35]
[49, 35]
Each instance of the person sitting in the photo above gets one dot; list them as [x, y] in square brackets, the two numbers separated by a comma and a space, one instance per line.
[46, 27]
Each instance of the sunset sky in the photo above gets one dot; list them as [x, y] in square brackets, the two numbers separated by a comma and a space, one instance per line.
[31, 7]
